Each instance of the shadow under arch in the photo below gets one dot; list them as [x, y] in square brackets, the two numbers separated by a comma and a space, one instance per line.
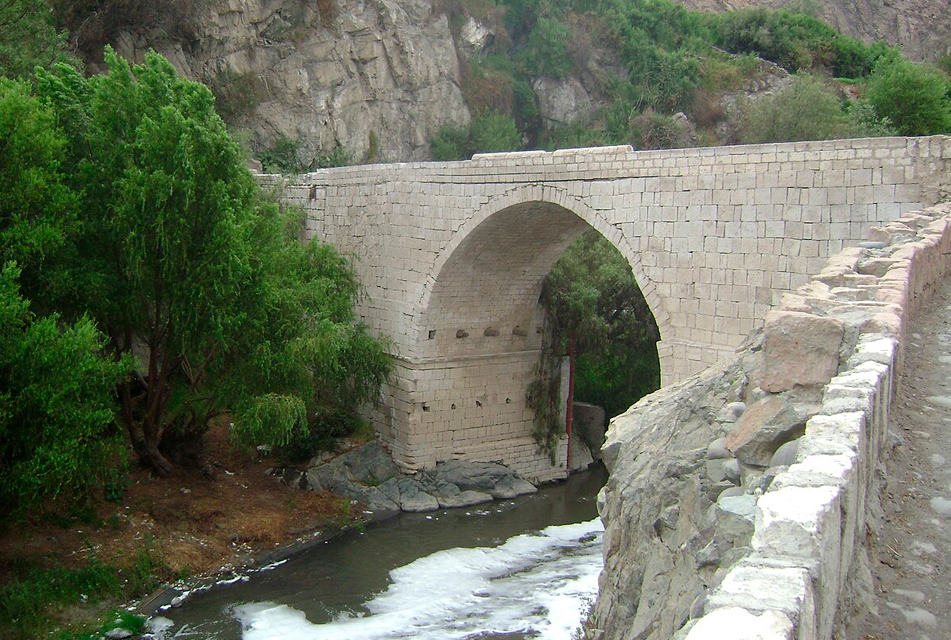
[480, 296]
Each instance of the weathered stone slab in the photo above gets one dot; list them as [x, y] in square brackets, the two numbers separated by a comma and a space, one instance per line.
[800, 349]
[762, 428]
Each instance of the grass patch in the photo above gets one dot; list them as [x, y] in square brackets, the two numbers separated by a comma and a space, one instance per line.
[29, 598]
[33, 599]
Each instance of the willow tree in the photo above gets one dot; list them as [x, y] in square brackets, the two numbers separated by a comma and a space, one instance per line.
[190, 269]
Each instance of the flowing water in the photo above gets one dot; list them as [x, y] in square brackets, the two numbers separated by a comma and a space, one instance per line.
[523, 568]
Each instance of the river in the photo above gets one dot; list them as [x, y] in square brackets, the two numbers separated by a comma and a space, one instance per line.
[523, 568]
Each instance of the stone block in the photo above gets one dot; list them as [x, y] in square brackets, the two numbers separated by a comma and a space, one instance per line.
[799, 522]
[800, 349]
[743, 625]
[762, 428]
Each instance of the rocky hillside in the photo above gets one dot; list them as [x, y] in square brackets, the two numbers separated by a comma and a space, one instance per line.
[315, 84]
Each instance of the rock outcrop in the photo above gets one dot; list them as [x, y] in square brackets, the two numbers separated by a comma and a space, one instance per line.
[368, 475]
[377, 77]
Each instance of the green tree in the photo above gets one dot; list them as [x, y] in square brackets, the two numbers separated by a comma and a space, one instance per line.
[807, 109]
[29, 37]
[57, 435]
[36, 207]
[599, 318]
[187, 266]
[915, 98]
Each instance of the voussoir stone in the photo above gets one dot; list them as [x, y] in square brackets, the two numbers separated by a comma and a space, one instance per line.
[762, 428]
[800, 349]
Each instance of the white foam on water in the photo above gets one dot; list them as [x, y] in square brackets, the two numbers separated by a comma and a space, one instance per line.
[537, 584]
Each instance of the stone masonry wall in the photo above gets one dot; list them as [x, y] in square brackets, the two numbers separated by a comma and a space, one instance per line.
[748, 521]
[452, 254]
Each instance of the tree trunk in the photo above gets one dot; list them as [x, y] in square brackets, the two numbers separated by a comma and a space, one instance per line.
[154, 458]
[572, 352]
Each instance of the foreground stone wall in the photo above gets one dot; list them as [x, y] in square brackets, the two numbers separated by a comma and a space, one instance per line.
[453, 254]
[737, 502]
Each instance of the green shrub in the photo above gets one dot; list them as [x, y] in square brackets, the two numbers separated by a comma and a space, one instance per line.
[546, 52]
[492, 132]
[651, 130]
[791, 40]
[863, 122]
[451, 143]
[914, 97]
[807, 109]
[488, 84]
[57, 437]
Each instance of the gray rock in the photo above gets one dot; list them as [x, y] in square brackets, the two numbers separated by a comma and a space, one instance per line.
[462, 499]
[590, 425]
[717, 450]
[715, 490]
[486, 477]
[412, 498]
[743, 506]
[715, 470]
[118, 634]
[785, 455]
[731, 470]
[762, 428]
[731, 412]
[657, 453]
[562, 101]
[581, 457]
[731, 492]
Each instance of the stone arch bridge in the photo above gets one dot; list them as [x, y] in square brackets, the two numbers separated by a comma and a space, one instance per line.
[452, 256]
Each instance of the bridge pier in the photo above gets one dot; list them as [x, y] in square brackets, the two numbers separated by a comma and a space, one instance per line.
[468, 407]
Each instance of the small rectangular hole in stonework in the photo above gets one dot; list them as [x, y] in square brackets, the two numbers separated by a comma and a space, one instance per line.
[518, 331]
[432, 334]
[425, 407]
[462, 333]
[453, 405]
[508, 401]
[491, 332]
[478, 404]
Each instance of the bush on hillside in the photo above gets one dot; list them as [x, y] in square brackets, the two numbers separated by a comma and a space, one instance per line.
[862, 121]
[450, 143]
[546, 53]
[492, 132]
[651, 130]
[807, 109]
[915, 98]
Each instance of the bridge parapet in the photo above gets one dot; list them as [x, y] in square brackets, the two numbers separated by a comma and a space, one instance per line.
[802, 561]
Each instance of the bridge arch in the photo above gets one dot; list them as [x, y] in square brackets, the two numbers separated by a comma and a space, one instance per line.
[517, 235]
[476, 335]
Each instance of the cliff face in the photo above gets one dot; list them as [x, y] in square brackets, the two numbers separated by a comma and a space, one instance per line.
[380, 77]
[377, 77]
[921, 27]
